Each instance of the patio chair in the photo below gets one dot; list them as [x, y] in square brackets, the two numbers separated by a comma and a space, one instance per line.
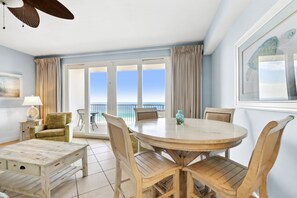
[145, 169]
[227, 178]
[218, 114]
[81, 120]
[144, 114]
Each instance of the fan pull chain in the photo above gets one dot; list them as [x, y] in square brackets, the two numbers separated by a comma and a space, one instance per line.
[3, 15]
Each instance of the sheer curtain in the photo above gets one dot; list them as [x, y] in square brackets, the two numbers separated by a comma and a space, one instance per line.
[48, 85]
[186, 80]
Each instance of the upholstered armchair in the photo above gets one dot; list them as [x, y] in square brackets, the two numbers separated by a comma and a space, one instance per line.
[57, 127]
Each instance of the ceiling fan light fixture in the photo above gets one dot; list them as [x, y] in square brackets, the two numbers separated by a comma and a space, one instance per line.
[26, 10]
[13, 3]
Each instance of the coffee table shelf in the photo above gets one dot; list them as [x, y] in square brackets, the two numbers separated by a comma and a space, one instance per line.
[31, 185]
[35, 167]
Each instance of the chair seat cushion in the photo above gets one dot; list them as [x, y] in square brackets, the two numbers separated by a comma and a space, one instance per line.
[50, 133]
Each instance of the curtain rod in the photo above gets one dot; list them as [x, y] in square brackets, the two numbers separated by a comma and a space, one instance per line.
[65, 56]
[114, 52]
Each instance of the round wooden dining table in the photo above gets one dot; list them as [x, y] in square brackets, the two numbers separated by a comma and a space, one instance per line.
[186, 142]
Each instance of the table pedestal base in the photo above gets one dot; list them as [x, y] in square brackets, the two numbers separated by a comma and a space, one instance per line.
[183, 158]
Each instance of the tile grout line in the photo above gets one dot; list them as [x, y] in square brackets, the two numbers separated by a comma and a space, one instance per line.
[103, 171]
[94, 189]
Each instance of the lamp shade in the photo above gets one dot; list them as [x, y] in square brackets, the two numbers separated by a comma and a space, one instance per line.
[32, 100]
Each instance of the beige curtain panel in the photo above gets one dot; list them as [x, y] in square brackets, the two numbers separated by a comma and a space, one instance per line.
[48, 85]
[186, 80]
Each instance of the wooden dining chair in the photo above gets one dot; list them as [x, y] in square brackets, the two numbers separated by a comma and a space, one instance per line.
[144, 114]
[145, 169]
[227, 178]
[218, 114]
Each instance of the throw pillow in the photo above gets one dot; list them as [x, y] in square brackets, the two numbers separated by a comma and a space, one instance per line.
[55, 121]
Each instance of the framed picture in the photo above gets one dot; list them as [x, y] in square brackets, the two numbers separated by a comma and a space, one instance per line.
[266, 61]
[11, 86]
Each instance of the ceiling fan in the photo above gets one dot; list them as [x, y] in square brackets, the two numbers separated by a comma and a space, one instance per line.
[25, 10]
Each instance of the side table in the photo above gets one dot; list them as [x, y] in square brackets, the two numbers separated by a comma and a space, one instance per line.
[25, 128]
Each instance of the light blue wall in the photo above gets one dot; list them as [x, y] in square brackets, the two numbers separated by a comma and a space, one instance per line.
[282, 179]
[15, 62]
[206, 82]
[12, 111]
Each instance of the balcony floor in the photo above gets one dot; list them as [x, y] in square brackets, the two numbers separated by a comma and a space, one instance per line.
[101, 130]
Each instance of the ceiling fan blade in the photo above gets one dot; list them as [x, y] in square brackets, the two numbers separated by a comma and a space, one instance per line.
[13, 3]
[26, 14]
[51, 7]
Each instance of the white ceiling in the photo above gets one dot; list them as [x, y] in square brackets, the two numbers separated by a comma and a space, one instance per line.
[106, 25]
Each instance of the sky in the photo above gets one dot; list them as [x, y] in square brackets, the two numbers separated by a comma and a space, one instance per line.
[272, 77]
[153, 86]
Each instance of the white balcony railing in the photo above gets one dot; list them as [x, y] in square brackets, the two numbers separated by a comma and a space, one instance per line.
[126, 111]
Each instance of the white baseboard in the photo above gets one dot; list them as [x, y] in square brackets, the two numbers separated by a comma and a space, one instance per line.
[9, 139]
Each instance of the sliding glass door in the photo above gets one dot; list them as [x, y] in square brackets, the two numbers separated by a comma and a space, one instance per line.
[126, 91]
[153, 87]
[76, 97]
[98, 99]
[114, 88]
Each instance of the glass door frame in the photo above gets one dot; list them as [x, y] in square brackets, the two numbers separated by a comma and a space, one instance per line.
[65, 98]
[111, 86]
[147, 61]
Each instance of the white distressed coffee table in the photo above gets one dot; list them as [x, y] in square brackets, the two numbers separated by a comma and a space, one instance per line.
[34, 167]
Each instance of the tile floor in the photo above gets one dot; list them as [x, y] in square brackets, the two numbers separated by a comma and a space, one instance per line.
[98, 184]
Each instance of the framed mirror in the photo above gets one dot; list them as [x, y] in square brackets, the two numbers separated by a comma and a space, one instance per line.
[266, 61]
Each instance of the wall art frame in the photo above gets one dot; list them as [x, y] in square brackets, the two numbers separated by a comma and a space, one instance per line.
[11, 86]
[266, 61]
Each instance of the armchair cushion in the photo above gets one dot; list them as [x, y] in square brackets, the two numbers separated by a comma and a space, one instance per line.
[50, 133]
[55, 121]
[58, 128]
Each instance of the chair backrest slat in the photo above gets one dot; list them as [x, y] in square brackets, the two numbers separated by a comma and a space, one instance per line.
[219, 114]
[264, 154]
[145, 113]
[121, 142]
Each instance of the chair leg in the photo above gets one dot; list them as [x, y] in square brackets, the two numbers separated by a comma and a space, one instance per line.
[176, 184]
[190, 185]
[227, 154]
[78, 122]
[153, 192]
[82, 124]
[118, 180]
[138, 191]
[263, 188]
